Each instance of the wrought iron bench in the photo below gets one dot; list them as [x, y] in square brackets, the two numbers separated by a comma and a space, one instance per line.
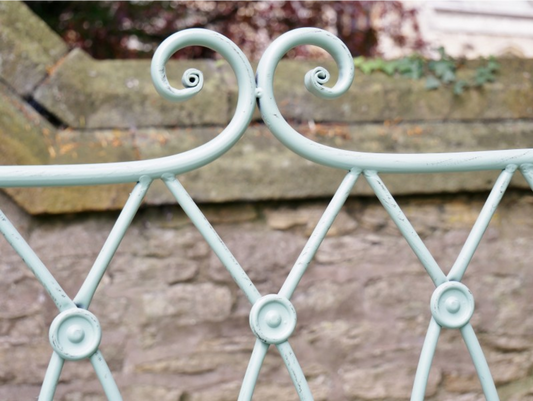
[75, 333]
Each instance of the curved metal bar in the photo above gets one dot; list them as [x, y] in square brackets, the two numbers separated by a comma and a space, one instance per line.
[482, 367]
[51, 378]
[424, 363]
[47, 280]
[252, 372]
[480, 226]
[105, 377]
[295, 371]
[405, 227]
[316, 238]
[344, 159]
[113, 173]
[85, 294]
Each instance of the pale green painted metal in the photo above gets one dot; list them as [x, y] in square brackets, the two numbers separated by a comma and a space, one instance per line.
[75, 332]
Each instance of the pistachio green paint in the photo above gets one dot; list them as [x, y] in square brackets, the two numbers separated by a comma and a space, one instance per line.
[75, 333]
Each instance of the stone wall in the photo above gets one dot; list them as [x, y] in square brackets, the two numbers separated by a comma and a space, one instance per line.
[175, 325]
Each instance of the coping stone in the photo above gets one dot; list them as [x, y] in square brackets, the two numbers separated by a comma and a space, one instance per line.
[85, 93]
[259, 168]
[29, 47]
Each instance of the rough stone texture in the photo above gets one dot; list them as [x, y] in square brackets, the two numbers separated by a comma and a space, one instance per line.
[86, 93]
[259, 168]
[176, 326]
[23, 132]
[29, 50]
[377, 97]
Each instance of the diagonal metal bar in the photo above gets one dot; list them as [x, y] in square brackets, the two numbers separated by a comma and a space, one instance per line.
[527, 172]
[295, 371]
[105, 377]
[405, 227]
[480, 226]
[482, 367]
[58, 295]
[86, 292]
[252, 371]
[48, 388]
[215, 242]
[424, 363]
[318, 234]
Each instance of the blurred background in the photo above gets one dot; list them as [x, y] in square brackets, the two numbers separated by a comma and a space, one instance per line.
[389, 29]
[134, 29]
[75, 87]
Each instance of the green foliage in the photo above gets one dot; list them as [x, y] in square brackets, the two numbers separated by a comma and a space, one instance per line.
[437, 73]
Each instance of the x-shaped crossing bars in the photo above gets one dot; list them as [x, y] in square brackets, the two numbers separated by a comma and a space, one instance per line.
[75, 333]
[452, 304]
[272, 317]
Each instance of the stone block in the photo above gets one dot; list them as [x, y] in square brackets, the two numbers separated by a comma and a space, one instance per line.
[259, 168]
[24, 134]
[30, 49]
[388, 381]
[189, 304]
[268, 254]
[86, 93]
[377, 97]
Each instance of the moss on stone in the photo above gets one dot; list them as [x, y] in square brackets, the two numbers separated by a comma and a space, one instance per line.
[29, 47]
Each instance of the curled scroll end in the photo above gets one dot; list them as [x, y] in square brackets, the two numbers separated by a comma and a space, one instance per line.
[192, 78]
[315, 80]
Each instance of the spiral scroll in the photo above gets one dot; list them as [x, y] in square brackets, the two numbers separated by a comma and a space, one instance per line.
[351, 160]
[131, 171]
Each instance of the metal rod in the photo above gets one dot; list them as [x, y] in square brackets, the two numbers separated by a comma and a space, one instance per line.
[318, 234]
[86, 292]
[480, 226]
[212, 238]
[482, 368]
[405, 227]
[527, 172]
[424, 363]
[295, 371]
[58, 295]
[105, 377]
[51, 378]
[252, 371]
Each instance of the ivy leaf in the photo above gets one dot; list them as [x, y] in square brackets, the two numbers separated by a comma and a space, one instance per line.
[493, 65]
[369, 66]
[459, 87]
[448, 76]
[442, 53]
[432, 82]
[444, 69]
[412, 67]
[484, 75]
[357, 61]
[389, 68]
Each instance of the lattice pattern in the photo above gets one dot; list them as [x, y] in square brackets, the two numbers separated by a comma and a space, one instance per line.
[75, 332]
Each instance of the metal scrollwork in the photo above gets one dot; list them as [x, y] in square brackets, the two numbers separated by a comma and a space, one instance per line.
[348, 160]
[122, 172]
[75, 333]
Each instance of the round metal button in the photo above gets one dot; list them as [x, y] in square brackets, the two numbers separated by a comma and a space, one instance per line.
[75, 334]
[452, 305]
[273, 319]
